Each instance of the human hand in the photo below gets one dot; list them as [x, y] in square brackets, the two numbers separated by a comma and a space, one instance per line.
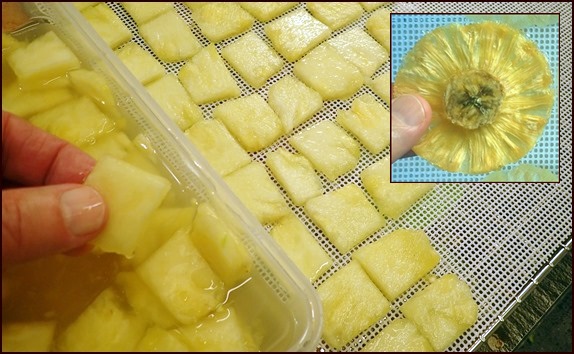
[46, 209]
[411, 115]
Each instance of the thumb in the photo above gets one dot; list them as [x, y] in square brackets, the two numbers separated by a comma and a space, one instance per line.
[40, 221]
[410, 118]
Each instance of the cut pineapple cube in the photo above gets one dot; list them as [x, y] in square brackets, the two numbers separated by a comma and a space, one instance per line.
[293, 102]
[398, 260]
[25, 103]
[251, 121]
[370, 6]
[401, 335]
[266, 11]
[115, 144]
[142, 12]
[108, 25]
[351, 303]
[252, 58]
[336, 15]
[381, 85]
[442, 311]
[91, 84]
[103, 326]
[345, 215]
[392, 199]
[170, 94]
[329, 148]
[157, 339]
[131, 195]
[379, 26]
[218, 146]
[221, 20]
[140, 63]
[28, 336]
[362, 50]
[295, 174]
[301, 247]
[256, 190]
[369, 122]
[182, 279]
[329, 73]
[296, 33]
[207, 79]
[169, 37]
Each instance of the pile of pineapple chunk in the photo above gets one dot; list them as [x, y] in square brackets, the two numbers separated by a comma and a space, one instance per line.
[250, 85]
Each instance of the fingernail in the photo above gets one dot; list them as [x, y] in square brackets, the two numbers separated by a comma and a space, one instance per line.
[83, 210]
[408, 110]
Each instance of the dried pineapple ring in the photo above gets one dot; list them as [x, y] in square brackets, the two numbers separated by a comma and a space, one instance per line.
[490, 91]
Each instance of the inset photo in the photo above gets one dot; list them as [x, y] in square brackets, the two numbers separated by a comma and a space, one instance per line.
[477, 95]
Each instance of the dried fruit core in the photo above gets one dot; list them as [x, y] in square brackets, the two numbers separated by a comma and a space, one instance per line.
[472, 99]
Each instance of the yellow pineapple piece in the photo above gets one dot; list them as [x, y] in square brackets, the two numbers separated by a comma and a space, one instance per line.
[295, 174]
[253, 186]
[369, 122]
[266, 11]
[301, 247]
[329, 73]
[108, 25]
[115, 144]
[398, 260]
[293, 102]
[336, 15]
[170, 94]
[93, 85]
[392, 199]
[26, 102]
[157, 339]
[401, 335]
[207, 79]
[296, 33]
[356, 46]
[218, 146]
[329, 148]
[81, 6]
[170, 37]
[442, 311]
[351, 303]
[252, 58]
[379, 26]
[251, 121]
[28, 336]
[221, 20]
[381, 85]
[140, 63]
[345, 215]
[370, 6]
[142, 12]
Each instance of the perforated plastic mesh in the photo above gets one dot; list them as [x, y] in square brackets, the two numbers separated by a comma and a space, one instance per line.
[495, 237]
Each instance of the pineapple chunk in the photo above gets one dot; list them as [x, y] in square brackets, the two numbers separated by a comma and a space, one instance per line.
[266, 11]
[103, 326]
[169, 37]
[336, 15]
[140, 63]
[142, 12]
[170, 94]
[351, 303]
[108, 25]
[296, 33]
[25, 103]
[398, 260]
[392, 199]
[401, 335]
[329, 148]
[131, 195]
[91, 84]
[252, 58]
[381, 85]
[329, 73]
[28, 336]
[369, 122]
[356, 46]
[379, 26]
[57, 60]
[221, 20]
[256, 190]
[295, 174]
[157, 339]
[182, 279]
[251, 121]
[301, 247]
[115, 144]
[442, 311]
[207, 79]
[293, 102]
[370, 6]
[220, 246]
[218, 146]
[345, 215]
